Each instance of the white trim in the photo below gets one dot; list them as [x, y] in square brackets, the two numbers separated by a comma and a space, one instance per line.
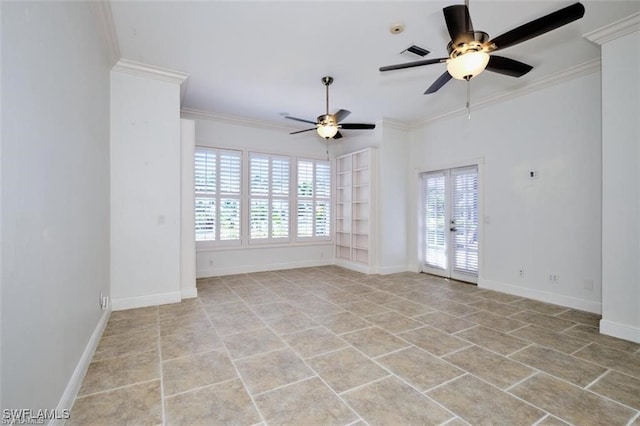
[150, 71]
[192, 113]
[104, 19]
[543, 296]
[570, 73]
[144, 301]
[621, 331]
[358, 267]
[386, 270]
[75, 382]
[189, 293]
[392, 123]
[219, 271]
[615, 30]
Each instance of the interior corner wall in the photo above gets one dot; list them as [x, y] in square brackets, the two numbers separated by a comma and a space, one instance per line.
[145, 191]
[621, 188]
[547, 225]
[55, 197]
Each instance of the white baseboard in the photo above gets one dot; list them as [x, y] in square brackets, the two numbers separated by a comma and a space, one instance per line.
[144, 301]
[189, 293]
[247, 269]
[386, 270]
[73, 387]
[358, 267]
[621, 331]
[543, 296]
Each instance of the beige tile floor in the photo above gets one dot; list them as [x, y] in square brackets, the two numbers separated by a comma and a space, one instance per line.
[326, 345]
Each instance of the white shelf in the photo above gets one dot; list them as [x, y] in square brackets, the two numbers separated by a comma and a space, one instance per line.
[355, 209]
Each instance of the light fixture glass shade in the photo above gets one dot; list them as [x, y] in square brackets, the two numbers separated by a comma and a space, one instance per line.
[327, 130]
[468, 65]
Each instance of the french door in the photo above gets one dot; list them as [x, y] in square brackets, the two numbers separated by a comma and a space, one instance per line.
[450, 223]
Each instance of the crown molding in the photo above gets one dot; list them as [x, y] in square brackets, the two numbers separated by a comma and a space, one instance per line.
[615, 30]
[232, 119]
[150, 71]
[104, 20]
[392, 123]
[570, 73]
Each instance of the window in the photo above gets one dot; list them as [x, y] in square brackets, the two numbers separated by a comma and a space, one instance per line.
[217, 195]
[314, 199]
[269, 197]
[247, 198]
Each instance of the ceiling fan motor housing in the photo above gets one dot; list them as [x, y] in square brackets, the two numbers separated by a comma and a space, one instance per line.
[464, 45]
[327, 120]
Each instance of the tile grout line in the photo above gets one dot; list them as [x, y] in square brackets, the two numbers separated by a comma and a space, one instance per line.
[128, 385]
[162, 405]
[634, 418]
[593, 382]
[310, 369]
[239, 376]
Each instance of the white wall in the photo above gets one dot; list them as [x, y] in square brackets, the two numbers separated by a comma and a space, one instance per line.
[221, 133]
[55, 196]
[546, 225]
[145, 191]
[393, 200]
[621, 187]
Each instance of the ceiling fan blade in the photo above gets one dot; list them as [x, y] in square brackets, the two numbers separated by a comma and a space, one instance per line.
[507, 66]
[300, 119]
[538, 26]
[458, 23]
[441, 81]
[357, 126]
[302, 131]
[341, 115]
[337, 136]
[413, 64]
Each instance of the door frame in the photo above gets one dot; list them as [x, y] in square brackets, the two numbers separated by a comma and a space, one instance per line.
[482, 219]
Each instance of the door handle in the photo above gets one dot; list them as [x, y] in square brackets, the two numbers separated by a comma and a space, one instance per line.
[453, 229]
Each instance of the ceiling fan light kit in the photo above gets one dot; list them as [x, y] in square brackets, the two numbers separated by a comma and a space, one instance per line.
[467, 66]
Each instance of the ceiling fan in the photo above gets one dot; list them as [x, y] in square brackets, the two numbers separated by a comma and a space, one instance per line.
[470, 51]
[328, 125]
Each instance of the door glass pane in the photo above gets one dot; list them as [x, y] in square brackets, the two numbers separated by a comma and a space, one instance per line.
[434, 220]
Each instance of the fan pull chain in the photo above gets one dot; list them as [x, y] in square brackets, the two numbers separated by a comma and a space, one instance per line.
[469, 99]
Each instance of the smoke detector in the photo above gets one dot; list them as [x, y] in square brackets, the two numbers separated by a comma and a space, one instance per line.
[396, 28]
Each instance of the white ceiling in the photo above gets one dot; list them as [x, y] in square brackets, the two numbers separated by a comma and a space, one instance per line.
[257, 60]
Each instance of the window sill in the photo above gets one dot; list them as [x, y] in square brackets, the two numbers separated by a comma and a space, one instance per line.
[259, 246]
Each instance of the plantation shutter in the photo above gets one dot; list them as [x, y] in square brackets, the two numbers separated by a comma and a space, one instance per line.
[435, 228]
[464, 214]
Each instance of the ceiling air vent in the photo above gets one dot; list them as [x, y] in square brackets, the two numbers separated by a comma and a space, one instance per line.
[416, 50]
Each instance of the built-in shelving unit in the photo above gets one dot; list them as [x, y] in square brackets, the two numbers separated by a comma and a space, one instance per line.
[354, 211]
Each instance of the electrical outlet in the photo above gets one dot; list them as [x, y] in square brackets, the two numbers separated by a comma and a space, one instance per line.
[521, 273]
[554, 278]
